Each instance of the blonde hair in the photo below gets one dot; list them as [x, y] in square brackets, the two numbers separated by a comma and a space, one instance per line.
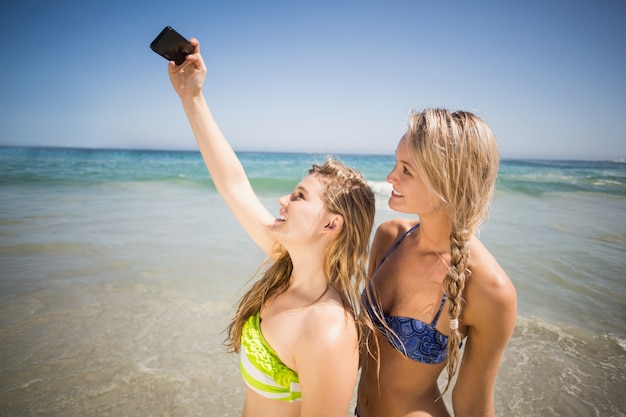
[457, 156]
[347, 193]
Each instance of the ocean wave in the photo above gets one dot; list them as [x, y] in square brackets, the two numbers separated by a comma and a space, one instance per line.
[578, 369]
[536, 178]
[381, 188]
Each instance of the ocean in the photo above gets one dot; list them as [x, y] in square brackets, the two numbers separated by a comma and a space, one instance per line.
[120, 269]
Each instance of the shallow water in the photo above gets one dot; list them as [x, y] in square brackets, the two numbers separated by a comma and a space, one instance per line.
[114, 293]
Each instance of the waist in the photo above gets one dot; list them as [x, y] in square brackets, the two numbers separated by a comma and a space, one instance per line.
[400, 376]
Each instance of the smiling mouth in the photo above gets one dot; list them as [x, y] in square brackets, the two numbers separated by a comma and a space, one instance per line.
[281, 219]
[394, 193]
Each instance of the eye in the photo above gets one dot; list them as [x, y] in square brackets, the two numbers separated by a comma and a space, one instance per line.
[297, 195]
[405, 170]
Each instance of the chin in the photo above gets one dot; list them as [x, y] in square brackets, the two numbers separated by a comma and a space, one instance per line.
[393, 205]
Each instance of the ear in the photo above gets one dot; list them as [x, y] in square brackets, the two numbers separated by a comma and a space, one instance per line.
[334, 224]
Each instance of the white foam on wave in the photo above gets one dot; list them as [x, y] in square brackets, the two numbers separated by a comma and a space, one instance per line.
[382, 188]
[577, 369]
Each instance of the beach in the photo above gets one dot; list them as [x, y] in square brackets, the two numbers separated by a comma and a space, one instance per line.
[121, 270]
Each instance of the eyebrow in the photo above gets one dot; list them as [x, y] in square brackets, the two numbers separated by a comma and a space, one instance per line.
[407, 163]
[301, 188]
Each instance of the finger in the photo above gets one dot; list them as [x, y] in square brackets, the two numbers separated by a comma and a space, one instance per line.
[196, 45]
[195, 58]
[171, 67]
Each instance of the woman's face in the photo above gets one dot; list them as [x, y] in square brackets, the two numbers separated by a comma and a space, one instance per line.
[410, 193]
[303, 214]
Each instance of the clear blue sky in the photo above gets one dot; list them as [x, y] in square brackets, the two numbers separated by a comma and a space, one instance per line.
[318, 76]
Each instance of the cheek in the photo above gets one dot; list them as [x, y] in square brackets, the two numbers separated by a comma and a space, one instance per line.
[423, 197]
[310, 212]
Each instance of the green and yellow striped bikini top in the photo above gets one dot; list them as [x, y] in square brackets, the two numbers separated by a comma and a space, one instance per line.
[262, 369]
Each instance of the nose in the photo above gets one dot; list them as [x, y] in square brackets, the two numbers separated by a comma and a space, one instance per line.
[283, 201]
[391, 177]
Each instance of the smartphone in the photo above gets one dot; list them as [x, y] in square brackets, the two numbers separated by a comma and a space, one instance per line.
[171, 45]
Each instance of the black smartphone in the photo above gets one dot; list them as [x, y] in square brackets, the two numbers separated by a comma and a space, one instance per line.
[171, 45]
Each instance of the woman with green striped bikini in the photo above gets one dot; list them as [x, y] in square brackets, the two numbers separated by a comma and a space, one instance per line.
[296, 327]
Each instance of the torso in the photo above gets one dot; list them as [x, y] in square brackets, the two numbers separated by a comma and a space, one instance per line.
[280, 324]
[418, 340]
[409, 284]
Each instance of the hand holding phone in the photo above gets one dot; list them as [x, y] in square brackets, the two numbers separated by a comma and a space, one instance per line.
[171, 45]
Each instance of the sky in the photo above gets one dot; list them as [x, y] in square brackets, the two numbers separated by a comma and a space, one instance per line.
[549, 77]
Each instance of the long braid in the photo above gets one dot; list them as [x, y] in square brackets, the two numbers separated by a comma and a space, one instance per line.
[454, 284]
[457, 156]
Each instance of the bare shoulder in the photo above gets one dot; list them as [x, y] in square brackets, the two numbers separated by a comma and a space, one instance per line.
[326, 355]
[394, 228]
[328, 324]
[489, 290]
[388, 232]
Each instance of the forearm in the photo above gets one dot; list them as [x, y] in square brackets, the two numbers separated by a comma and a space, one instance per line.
[225, 168]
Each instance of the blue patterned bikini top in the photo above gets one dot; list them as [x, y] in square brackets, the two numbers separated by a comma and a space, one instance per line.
[417, 340]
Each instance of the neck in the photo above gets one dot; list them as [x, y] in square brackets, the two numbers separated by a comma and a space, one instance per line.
[308, 270]
[436, 229]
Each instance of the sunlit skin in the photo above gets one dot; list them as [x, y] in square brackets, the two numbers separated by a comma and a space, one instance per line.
[307, 325]
[301, 214]
[410, 193]
[409, 284]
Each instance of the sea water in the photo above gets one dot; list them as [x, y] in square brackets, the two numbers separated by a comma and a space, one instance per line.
[119, 271]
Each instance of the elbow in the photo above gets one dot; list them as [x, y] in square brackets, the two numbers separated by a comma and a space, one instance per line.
[474, 406]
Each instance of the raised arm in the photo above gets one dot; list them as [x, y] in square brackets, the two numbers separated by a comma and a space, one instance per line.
[225, 168]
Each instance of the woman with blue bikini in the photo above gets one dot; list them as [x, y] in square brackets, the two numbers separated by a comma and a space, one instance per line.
[434, 286]
[295, 329]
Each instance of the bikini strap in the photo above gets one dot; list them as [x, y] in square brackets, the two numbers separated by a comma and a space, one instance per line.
[396, 244]
[443, 300]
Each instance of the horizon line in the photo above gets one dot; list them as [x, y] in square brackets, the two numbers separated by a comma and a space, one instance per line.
[144, 149]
